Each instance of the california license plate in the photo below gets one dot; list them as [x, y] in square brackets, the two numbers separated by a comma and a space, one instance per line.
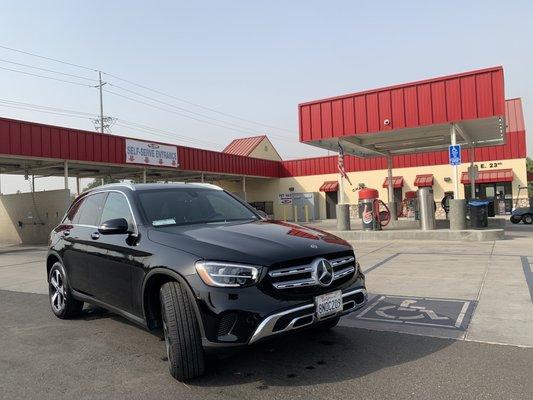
[328, 304]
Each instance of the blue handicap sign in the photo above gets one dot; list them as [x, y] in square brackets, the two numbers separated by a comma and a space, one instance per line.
[454, 154]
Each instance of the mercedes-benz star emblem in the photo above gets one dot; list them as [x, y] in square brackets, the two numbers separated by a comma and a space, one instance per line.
[323, 272]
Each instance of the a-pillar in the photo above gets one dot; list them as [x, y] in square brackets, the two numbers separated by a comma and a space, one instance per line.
[390, 185]
[457, 204]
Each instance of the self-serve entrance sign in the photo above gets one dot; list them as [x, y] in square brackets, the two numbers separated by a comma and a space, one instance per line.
[148, 153]
[454, 154]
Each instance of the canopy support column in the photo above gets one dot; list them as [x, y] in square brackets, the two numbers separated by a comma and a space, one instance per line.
[65, 173]
[144, 175]
[390, 188]
[244, 187]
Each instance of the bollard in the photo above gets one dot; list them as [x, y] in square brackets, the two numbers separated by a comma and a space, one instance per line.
[343, 217]
[457, 214]
[295, 214]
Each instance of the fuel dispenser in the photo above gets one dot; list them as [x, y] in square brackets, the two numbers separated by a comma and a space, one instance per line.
[374, 213]
[411, 205]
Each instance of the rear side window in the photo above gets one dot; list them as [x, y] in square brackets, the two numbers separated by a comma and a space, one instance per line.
[90, 210]
[73, 213]
[116, 206]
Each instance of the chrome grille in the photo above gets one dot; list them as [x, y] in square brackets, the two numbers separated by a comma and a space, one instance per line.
[303, 275]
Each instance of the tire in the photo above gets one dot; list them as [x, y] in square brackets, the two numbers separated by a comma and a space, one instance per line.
[328, 324]
[182, 333]
[515, 219]
[527, 219]
[63, 304]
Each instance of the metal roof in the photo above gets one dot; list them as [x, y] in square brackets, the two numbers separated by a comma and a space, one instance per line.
[243, 146]
[411, 117]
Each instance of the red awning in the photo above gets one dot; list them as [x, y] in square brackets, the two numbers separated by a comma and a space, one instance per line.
[492, 176]
[397, 182]
[329, 186]
[424, 180]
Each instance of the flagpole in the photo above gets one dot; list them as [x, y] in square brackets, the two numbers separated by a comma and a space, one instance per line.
[342, 190]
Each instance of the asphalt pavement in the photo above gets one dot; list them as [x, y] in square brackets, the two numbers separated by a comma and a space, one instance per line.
[102, 356]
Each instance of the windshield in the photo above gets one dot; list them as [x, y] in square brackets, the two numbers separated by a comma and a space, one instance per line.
[185, 206]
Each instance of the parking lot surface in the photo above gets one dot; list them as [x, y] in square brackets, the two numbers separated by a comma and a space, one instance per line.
[444, 320]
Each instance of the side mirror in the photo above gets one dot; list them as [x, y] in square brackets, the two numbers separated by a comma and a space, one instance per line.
[262, 214]
[118, 226]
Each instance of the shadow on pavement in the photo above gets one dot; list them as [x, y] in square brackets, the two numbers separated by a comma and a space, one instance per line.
[314, 357]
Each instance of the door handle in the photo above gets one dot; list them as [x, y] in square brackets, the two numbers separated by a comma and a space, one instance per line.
[95, 235]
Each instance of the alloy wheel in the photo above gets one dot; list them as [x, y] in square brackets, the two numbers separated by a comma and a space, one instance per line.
[57, 291]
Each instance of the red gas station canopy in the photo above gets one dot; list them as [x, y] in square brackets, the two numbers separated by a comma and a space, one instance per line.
[411, 117]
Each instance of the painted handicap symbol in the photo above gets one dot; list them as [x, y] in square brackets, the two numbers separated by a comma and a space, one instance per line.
[409, 307]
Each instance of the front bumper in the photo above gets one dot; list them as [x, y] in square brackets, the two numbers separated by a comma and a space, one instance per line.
[302, 316]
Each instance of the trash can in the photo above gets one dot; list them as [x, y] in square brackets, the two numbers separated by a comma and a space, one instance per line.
[479, 214]
[367, 203]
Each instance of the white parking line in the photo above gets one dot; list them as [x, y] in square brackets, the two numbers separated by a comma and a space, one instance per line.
[462, 314]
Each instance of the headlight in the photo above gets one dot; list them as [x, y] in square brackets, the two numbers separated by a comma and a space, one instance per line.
[225, 274]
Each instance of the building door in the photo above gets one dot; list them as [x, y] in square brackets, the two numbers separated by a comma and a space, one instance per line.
[332, 198]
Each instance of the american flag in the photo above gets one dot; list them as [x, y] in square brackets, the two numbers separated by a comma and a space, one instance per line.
[340, 165]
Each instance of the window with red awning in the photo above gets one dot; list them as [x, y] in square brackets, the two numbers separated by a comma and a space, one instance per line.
[425, 180]
[329, 186]
[491, 176]
[397, 182]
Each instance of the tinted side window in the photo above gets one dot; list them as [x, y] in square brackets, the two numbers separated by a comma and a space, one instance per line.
[116, 206]
[73, 214]
[90, 210]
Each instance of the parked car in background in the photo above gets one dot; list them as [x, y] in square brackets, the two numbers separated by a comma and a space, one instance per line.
[524, 214]
[201, 265]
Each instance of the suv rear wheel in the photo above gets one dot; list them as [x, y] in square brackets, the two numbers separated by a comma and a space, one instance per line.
[528, 219]
[182, 333]
[63, 305]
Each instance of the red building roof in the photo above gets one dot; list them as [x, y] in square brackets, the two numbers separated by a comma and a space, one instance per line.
[243, 146]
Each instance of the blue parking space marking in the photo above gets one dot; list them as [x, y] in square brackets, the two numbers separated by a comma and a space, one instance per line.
[440, 313]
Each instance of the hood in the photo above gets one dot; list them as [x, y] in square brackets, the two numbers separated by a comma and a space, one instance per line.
[258, 242]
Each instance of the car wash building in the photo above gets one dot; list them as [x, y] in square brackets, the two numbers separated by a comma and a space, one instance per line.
[395, 139]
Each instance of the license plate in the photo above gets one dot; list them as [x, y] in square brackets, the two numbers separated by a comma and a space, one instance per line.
[328, 304]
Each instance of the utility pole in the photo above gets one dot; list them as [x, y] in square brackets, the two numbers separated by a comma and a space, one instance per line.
[100, 85]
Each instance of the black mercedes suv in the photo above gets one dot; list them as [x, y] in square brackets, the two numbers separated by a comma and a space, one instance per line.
[200, 264]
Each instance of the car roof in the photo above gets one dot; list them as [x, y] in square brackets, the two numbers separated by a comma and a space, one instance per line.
[153, 186]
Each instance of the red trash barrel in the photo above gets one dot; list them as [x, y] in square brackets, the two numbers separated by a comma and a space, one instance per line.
[367, 203]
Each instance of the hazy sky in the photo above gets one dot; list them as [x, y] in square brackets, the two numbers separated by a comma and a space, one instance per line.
[256, 60]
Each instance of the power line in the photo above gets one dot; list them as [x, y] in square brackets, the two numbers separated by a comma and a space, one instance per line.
[178, 108]
[169, 111]
[141, 95]
[198, 105]
[46, 112]
[48, 58]
[46, 77]
[48, 70]
[18, 103]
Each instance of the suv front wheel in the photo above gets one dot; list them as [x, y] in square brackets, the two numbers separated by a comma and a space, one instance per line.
[182, 333]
